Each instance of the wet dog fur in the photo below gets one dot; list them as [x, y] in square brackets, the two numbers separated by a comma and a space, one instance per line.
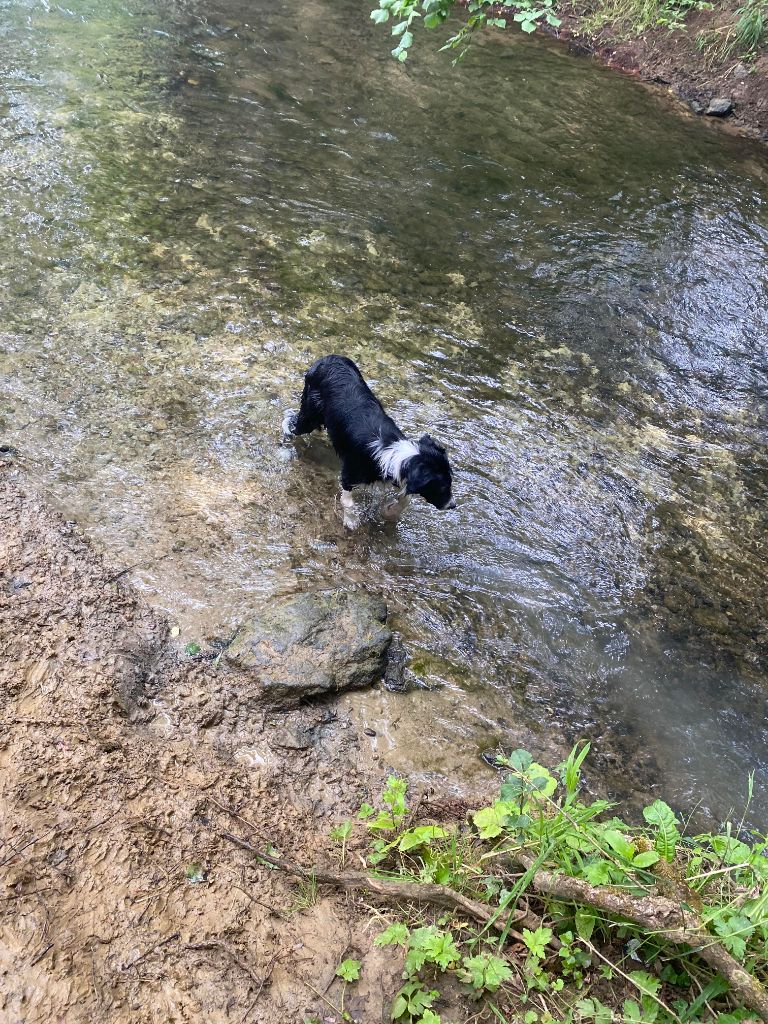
[369, 443]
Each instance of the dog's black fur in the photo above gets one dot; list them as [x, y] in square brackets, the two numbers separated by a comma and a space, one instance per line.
[337, 397]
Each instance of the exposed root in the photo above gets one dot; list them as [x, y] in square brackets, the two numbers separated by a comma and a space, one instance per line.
[419, 892]
[662, 916]
[670, 920]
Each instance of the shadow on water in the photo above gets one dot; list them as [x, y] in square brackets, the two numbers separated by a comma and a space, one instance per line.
[529, 256]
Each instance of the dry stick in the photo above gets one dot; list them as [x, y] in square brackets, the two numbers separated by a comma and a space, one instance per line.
[145, 954]
[261, 903]
[440, 895]
[659, 915]
[216, 944]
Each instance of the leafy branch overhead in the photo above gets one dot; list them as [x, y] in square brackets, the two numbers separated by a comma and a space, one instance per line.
[408, 15]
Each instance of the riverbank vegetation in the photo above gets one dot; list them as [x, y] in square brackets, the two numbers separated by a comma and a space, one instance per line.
[741, 31]
[551, 908]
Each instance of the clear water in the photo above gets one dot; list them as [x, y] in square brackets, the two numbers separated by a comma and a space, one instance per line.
[530, 257]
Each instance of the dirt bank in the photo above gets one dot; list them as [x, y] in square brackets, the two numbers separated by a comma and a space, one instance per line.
[677, 62]
[120, 900]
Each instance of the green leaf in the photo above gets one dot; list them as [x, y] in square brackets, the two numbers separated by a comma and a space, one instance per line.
[379, 16]
[440, 949]
[731, 850]
[397, 30]
[520, 760]
[537, 941]
[735, 931]
[421, 836]
[192, 649]
[195, 872]
[598, 872]
[585, 923]
[429, 1017]
[647, 983]
[349, 970]
[491, 820]
[511, 788]
[632, 1012]
[646, 859]
[619, 843]
[663, 819]
[366, 811]
[342, 832]
[485, 972]
[593, 1009]
[406, 40]
[396, 935]
[399, 1007]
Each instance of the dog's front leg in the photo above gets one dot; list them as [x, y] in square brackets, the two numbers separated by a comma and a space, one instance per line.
[394, 509]
[350, 510]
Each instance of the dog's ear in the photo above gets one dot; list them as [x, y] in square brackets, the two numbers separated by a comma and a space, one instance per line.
[417, 476]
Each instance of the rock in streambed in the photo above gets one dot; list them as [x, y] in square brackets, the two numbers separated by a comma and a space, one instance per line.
[308, 645]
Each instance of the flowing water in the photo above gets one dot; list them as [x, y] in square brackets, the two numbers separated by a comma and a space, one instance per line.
[530, 257]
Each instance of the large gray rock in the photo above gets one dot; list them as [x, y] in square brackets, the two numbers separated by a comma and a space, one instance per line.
[720, 106]
[313, 644]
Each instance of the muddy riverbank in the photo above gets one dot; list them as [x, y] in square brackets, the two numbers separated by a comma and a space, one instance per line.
[121, 901]
[692, 65]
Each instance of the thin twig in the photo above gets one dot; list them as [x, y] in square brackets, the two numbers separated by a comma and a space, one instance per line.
[217, 944]
[144, 955]
[261, 903]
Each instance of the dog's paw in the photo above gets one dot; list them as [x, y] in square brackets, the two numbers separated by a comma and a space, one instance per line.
[350, 510]
[289, 423]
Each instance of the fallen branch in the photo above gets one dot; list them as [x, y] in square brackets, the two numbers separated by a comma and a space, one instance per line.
[657, 914]
[661, 916]
[438, 895]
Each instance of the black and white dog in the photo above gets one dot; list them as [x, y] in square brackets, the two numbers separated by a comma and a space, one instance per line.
[369, 443]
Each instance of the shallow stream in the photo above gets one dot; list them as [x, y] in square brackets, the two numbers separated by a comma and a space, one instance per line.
[530, 257]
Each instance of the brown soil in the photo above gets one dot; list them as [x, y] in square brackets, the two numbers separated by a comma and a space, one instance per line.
[672, 60]
[122, 763]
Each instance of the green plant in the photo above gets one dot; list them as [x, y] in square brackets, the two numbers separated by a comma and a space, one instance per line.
[751, 28]
[477, 14]
[539, 825]
[349, 972]
[341, 834]
[633, 17]
[306, 895]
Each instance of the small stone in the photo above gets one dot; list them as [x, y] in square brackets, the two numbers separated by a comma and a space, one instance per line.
[369, 732]
[721, 106]
[696, 107]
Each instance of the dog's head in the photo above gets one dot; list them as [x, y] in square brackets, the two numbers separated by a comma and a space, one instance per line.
[429, 474]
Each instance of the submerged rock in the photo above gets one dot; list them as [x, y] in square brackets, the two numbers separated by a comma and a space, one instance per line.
[721, 106]
[313, 644]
